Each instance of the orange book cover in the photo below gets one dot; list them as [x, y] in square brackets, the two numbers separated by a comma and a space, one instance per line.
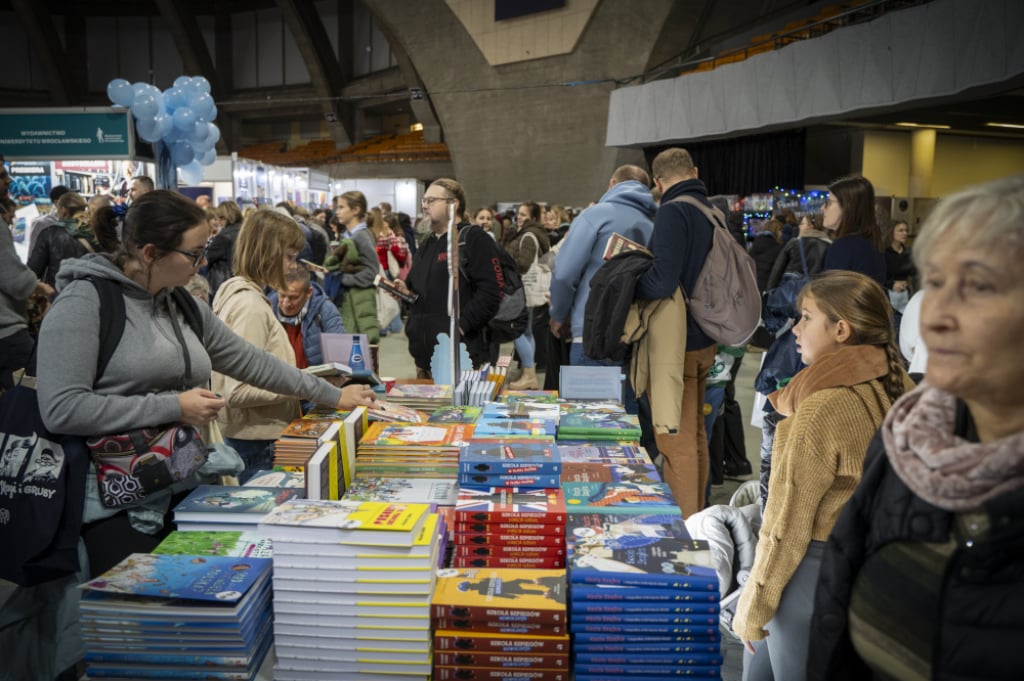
[499, 595]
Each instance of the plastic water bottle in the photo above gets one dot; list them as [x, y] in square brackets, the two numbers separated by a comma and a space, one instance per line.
[355, 359]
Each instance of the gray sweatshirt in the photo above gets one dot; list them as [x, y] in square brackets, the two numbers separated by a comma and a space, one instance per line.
[16, 284]
[147, 370]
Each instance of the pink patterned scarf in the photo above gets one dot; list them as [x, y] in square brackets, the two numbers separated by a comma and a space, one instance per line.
[943, 469]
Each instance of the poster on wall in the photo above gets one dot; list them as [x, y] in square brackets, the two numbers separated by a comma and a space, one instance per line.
[31, 182]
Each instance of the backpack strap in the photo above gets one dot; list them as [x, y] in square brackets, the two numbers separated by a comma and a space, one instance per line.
[112, 319]
[186, 302]
[712, 213]
[803, 258]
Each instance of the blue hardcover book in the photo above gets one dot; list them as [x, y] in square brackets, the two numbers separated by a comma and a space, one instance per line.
[624, 531]
[236, 505]
[510, 480]
[707, 659]
[645, 618]
[606, 672]
[621, 497]
[665, 564]
[605, 593]
[620, 639]
[697, 631]
[663, 647]
[502, 426]
[512, 458]
[221, 579]
[581, 608]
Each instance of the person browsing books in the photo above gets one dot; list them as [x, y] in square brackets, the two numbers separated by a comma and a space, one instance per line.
[833, 408]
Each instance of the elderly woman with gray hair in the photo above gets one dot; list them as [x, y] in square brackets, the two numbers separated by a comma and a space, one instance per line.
[923, 575]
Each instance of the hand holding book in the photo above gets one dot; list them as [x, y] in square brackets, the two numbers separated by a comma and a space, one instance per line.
[396, 288]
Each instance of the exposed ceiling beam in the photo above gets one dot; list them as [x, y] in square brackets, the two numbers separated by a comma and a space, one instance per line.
[196, 59]
[422, 107]
[42, 36]
[324, 70]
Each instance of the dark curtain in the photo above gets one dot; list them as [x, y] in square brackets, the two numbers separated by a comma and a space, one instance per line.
[746, 165]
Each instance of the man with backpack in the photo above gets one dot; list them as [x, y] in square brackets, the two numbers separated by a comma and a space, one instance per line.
[681, 242]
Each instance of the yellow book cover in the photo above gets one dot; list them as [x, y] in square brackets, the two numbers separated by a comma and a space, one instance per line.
[351, 522]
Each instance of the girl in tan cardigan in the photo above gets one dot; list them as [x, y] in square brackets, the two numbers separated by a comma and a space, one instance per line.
[833, 408]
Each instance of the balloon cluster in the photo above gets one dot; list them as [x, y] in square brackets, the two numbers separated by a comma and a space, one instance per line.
[181, 116]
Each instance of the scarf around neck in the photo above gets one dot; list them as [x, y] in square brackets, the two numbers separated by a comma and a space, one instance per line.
[848, 366]
[941, 467]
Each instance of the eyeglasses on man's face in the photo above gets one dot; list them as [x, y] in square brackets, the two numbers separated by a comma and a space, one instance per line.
[430, 200]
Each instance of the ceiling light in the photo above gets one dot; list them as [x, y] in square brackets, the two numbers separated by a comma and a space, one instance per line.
[416, 127]
[1014, 126]
[923, 125]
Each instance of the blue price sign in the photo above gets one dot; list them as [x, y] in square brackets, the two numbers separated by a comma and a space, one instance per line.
[41, 134]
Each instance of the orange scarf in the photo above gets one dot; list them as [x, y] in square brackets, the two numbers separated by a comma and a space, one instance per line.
[848, 366]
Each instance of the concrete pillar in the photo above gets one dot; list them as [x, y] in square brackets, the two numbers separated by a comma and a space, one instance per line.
[922, 162]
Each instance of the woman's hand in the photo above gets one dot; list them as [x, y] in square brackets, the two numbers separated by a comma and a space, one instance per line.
[356, 395]
[199, 406]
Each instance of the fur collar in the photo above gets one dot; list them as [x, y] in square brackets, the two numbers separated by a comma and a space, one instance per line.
[848, 366]
[940, 467]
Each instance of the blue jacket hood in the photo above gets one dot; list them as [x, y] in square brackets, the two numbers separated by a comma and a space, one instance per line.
[632, 194]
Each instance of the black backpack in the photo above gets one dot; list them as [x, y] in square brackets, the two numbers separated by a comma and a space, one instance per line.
[512, 317]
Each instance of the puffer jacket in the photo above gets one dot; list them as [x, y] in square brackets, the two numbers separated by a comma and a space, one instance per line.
[322, 316]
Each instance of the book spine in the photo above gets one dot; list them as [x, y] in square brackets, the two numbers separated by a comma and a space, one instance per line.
[459, 642]
[517, 529]
[664, 647]
[502, 660]
[645, 579]
[458, 672]
[542, 562]
[488, 539]
[508, 467]
[582, 593]
[622, 671]
[500, 551]
[524, 481]
[648, 659]
[646, 619]
[533, 628]
[485, 613]
[708, 633]
[584, 638]
[502, 516]
[643, 608]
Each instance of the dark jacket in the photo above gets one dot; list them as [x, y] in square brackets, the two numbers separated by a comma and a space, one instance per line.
[218, 257]
[524, 251]
[54, 245]
[321, 317]
[898, 266]
[788, 259]
[764, 249]
[612, 290]
[856, 254]
[479, 292]
[981, 612]
[681, 241]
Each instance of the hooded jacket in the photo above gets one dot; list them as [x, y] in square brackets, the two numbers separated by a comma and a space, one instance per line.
[17, 282]
[147, 370]
[54, 245]
[321, 317]
[524, 250]
[815, 244]
[627, 209]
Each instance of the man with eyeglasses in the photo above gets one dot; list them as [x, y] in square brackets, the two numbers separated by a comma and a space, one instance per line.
[17, 285]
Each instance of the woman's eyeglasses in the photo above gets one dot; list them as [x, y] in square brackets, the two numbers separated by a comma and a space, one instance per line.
[195, 256]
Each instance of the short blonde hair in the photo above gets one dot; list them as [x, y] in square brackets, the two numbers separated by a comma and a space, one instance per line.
[672, 164]
[266, 236]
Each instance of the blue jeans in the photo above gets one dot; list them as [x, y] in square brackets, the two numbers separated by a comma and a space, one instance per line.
[524, 344]
[258, 455]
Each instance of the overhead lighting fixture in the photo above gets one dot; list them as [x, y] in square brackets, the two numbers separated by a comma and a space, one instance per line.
[923, 125]
[416, 127]
[1012, 126]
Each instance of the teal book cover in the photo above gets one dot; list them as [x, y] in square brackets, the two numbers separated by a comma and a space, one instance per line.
[205, 578]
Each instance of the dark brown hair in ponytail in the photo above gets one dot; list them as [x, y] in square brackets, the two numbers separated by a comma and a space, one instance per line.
[860, 302]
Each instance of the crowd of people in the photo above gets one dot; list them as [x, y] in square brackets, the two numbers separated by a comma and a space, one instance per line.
[892, 511]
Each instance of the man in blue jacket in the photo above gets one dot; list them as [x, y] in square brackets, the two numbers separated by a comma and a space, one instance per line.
[681, 242]
[305, 311]
[627, 209]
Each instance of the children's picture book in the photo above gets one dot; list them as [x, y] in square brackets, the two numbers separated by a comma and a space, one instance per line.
[617, 243]
[502, 426]
[441, 491]
[624, 531]
[598, 425]
[499, 594]
[424, 436]
[603, 453]
[667, 563]
[240, 505]
[522, 407]
[237, 544]
[497, 504]
[548, 396]
[619, 497]
[512, 458]
[455, 414]
[351, 522]
[610, 472]
[383, 410]
[222, 579]
[274, 478]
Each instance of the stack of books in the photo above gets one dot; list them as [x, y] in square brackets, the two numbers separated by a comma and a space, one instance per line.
[352, 586]
[425, 397]
[277, 478]
[512, 420]
[522, 464]
[509, 527]
[476, 611]
[232, 509]
[597, 425]
[619, 497]
[443, 492]
[313, 447]
[644, 598]
[476, 386]
[412, 450]
[159, 616]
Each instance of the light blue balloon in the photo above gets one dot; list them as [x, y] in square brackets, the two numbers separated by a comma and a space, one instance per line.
[199, 133]
[184, 119]
[202, 104]
[182, 81]
[201, 84]
[120, 92]
[214, 133]
[173, 98]
[139, 87]
[164, 122]
[182, 153]
[149, 130]
[213, 114]
[145, 106]
[202, 145]
[191, 173]
[208, 158]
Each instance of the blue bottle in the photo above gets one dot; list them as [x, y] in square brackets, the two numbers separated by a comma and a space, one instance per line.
[355, 359]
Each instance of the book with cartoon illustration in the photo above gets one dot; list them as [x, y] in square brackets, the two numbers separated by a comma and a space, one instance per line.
[480, 594]
[666, 563]
[275, 478]
[416, 436]
[502, 504]
[611, 472]
[221, 579]
[369, 487]
[619, 497]
[624, 531]
[604, 453]
[455, 414]
[348, 522]
[232, 505]
[237, 544]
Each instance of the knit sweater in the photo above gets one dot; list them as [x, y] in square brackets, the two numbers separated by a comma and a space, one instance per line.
[816, 464]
